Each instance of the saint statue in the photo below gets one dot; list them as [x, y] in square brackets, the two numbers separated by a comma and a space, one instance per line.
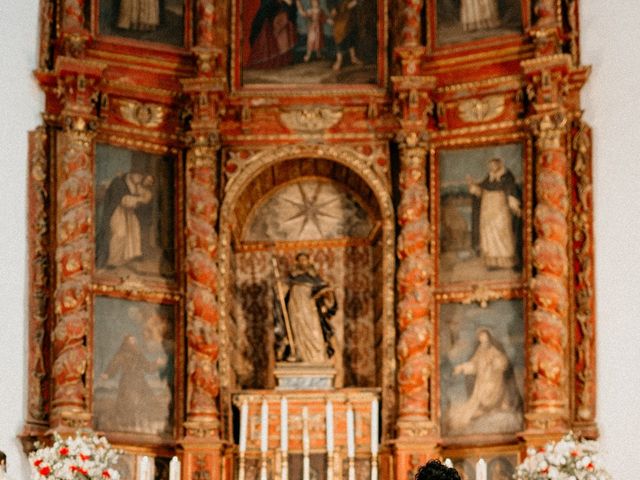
[304, 305]
[494, 385]
[142, 15]
[496, 227]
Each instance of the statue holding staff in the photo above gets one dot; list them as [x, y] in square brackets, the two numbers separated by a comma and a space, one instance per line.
[302, 315]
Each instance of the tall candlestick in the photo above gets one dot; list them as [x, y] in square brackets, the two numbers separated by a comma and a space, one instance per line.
[284, 425]
[481, 470]
[174, 469]
[244, 417]
[306, 466]
[351, 439]
[284, 438]
[329, 427]
[374, 426]
[264, 427]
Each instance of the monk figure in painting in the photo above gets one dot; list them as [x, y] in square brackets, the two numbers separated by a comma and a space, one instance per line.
[479, 15]
[497, 228]
[494, 386]
[310, 303]
[122, 231]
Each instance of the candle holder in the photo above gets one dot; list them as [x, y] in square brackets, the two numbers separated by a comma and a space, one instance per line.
[330, 465]
[284, 466]
[241, 467]
[263, 466]
[374, 466]
[352, 468]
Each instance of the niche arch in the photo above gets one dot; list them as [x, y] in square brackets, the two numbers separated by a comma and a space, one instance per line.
[357, 165]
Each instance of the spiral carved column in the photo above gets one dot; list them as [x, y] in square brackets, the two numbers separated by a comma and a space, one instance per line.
[202, 441]
[74, 253]
[74, 32]
[416, 429]
[548, 395]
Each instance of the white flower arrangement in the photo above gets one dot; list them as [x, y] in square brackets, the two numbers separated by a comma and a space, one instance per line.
[85, 456]
[567, 459]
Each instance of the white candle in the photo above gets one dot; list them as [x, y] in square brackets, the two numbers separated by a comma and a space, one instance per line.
[143, 468]
[264, 424]
[374, 426]
[481, 470]
[174, 469]
[329, 427]
[244, 417]
[306, 466]
[448, 463]
[351, 439]
[284, 425]
[305, 430]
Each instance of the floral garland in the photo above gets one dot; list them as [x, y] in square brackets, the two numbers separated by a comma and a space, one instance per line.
[79, 458]
[568, 459]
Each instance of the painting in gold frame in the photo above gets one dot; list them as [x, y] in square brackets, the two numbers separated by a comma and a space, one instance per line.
[309, 42]
[482, 368]
[461, 21]
[135, 216]
[481, 213]
[134, 358]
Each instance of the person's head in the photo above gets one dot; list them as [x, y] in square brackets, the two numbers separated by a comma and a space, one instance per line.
[484, 337]
[495, 165]
[434, 470]
[303, 259]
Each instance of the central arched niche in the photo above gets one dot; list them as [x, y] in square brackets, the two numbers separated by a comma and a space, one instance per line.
[325, 209]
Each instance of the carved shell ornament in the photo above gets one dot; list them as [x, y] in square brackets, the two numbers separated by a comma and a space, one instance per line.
[481, 109]
[311, 119]
[142, 114]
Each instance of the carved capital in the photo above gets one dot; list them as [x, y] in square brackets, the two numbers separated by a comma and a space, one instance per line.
[547, 82]
[205, 105]
[412, 103]
[78, 84]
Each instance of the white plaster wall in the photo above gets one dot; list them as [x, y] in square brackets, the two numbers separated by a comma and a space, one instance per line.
[611, 39]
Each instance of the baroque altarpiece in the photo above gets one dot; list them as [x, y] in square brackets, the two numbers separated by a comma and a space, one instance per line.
[311, 238]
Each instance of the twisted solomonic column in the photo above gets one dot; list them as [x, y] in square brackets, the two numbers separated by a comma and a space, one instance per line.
[416, 366]
[74, 252]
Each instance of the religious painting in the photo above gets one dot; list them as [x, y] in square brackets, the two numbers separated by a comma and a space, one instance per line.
[308, 41]
[501, 466]
[160, 21]
[133, 367]
[481, 209]
[134, 198]
[482, 368]
[469, 20]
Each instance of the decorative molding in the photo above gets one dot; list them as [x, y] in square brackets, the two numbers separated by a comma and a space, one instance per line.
[311, 119]
[148, 115]
[484, 109]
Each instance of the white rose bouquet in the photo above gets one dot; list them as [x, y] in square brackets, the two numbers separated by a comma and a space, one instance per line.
[83, 457]
[568, 459]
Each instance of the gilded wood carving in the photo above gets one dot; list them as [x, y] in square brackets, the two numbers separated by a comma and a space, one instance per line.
[448, 141]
